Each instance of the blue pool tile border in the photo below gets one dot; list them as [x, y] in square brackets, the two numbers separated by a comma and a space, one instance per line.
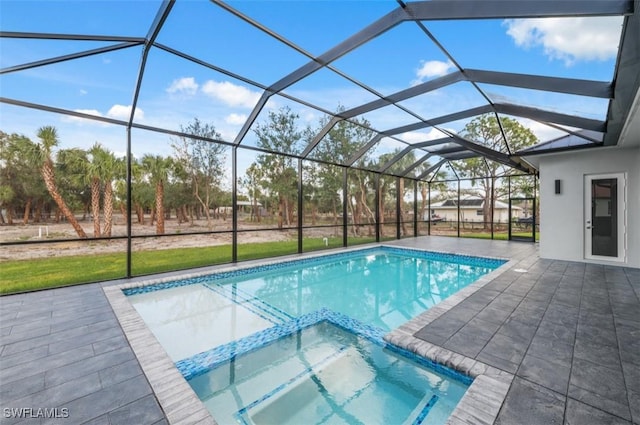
[469, 260]
[203, 362]
[425, 410]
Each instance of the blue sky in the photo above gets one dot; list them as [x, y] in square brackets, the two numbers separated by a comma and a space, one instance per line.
[175, 91]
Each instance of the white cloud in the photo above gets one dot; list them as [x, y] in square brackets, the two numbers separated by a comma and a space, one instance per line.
[272, 104]
[231, 94]
[235, 119]
[123, 112]
[430, 69]
[569, 39]
[227, 134]
[543, 132]
[89, 112]
[69, 118]
[417, 136]
[83, 92]
[185, 85]
[309, 116]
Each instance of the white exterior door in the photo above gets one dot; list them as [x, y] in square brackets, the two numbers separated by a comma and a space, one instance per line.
[605, 217]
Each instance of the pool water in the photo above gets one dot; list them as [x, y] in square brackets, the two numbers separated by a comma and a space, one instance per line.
[300, 342]
[324, 375]
[383, 287]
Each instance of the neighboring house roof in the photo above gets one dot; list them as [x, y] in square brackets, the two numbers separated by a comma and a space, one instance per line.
[463, 202]
[247, 203]
[469, 202]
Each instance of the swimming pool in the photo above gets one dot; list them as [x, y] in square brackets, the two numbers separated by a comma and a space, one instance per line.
[201, 321]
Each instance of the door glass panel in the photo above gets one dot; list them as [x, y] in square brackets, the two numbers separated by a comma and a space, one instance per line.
[604, 214]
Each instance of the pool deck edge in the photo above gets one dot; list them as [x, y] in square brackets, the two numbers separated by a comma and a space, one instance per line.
[177, 399]
[483, 400]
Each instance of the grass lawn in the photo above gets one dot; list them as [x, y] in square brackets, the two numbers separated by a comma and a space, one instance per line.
[41, 273]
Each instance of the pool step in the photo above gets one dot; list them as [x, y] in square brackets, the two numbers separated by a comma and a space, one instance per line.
[250, 302]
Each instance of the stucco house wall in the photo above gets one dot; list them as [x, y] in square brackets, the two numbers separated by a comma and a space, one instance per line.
[562, 216]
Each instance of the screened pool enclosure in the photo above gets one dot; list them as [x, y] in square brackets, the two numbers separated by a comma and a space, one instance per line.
[144, 137]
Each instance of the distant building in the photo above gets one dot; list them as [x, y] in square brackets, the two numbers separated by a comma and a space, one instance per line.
[471, 210]
[245, 207]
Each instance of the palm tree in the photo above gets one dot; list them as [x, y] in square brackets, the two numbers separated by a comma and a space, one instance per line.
[94, 173]
[84, 170]
[48, 140]
[101, 171]
[158, 168]
[114, 169]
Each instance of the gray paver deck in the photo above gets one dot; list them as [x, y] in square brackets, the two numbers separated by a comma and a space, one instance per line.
[560, 339]
[569, 332]
[64, 348]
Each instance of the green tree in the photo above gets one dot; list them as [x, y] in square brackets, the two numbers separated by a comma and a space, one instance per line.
[71, 169]
[252, 181]
[21, 185]
[329, 190]
[280, 134]
[311, 192]
[48, 136]
[390, 187]
[101, 168]
[114, 170]
[406, 161]
[340, 144]
[89, 166]
[157, 169]
[7, 175]
[203, 162]
[385, 188]
[486, 131]
[142, 193]
[95, 175]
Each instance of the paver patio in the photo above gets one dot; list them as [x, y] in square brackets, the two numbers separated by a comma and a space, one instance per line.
[64, 348]
[569, 333]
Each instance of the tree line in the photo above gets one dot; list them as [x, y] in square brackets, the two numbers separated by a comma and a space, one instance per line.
[42, 182]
